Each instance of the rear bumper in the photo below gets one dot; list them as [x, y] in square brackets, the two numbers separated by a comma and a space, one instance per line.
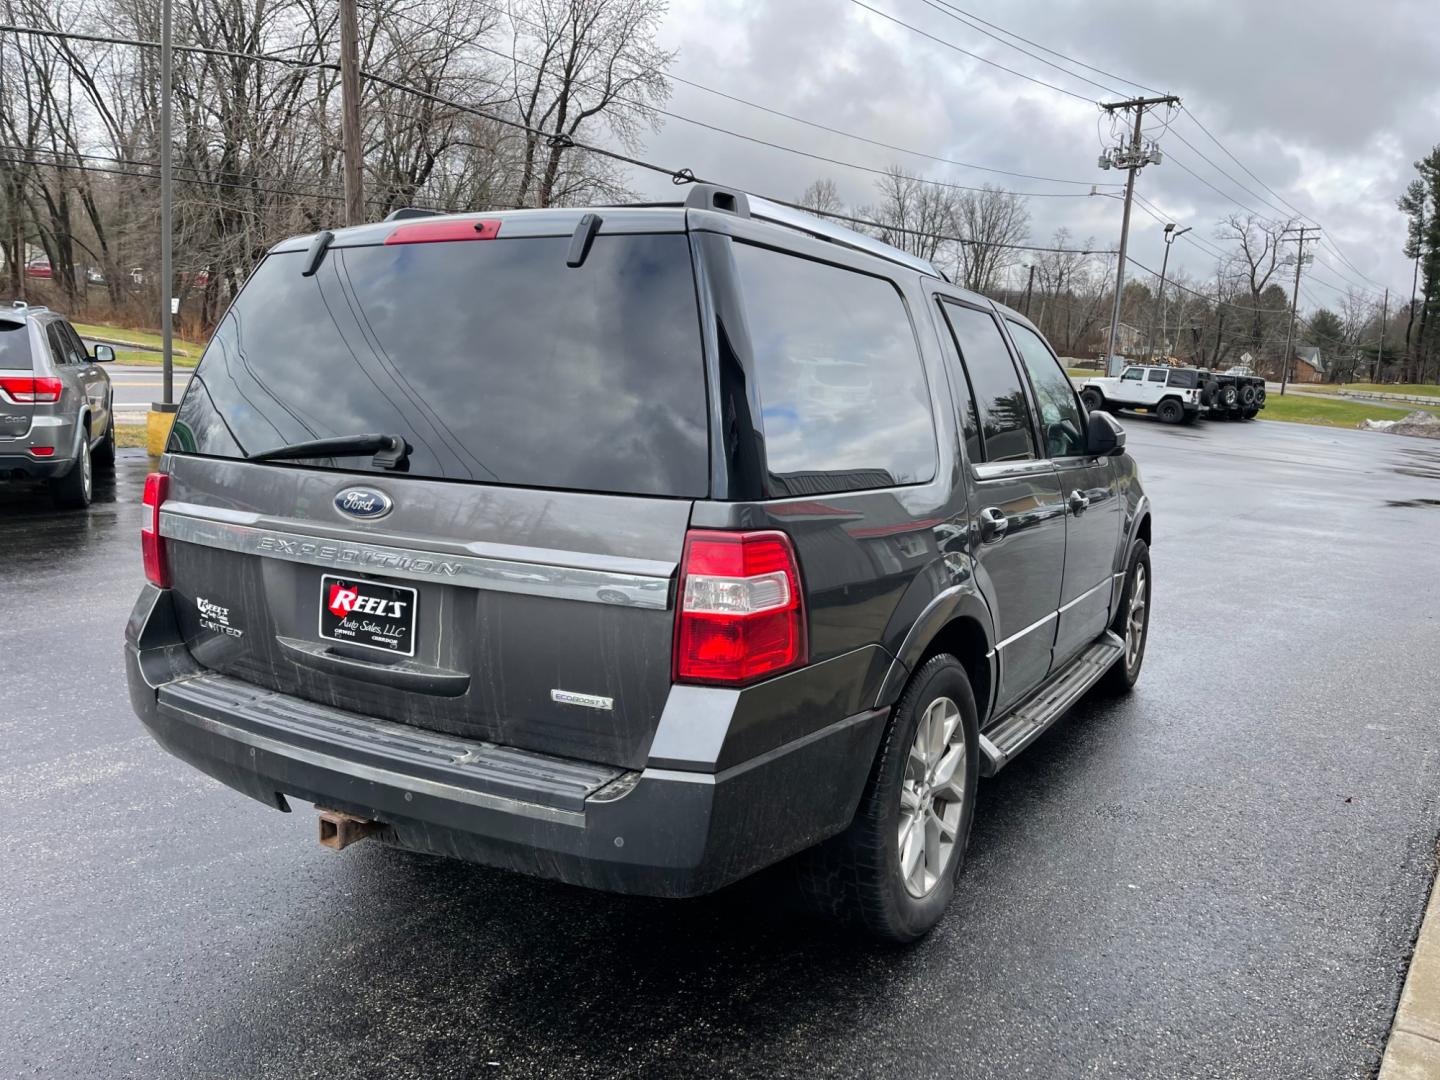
[655, 831]
[22, 466]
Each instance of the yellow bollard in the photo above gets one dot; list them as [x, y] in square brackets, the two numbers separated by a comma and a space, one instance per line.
[157, 427]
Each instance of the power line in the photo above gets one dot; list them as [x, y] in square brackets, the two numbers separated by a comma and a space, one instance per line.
[952, 15]
[785, 148]
[1043, 48]
[973, 56]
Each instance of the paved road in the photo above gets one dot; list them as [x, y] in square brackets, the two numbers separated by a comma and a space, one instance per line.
[136, 386]
[1221, 876]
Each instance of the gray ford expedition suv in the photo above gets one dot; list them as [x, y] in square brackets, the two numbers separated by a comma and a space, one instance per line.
[55, 419]
[640, 548]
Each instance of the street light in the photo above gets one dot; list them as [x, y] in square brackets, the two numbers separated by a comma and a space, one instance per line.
[1170, 234]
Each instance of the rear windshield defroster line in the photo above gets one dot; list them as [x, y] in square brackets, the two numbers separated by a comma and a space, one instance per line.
[496, 362]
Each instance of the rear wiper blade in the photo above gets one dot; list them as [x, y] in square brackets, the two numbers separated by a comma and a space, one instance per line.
[391, 451]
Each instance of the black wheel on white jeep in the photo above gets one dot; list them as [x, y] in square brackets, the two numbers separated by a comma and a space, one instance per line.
[1093, 399]
[893, 870]
[1170, 411]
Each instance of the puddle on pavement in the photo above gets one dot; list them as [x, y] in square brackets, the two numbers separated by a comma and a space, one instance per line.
[1407, 503]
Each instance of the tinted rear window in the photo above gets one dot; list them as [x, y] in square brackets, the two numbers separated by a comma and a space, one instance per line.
[1186, 380]
[844, 401]
[14, 346]
[495, 361]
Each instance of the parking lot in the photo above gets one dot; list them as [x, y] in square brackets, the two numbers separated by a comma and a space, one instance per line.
[1220, 876]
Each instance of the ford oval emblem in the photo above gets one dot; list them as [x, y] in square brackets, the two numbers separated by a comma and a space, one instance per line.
[364, 503]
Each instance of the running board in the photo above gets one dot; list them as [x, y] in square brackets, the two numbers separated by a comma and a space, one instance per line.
[1000, 744]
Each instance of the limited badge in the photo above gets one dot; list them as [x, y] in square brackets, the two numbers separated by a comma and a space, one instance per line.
[215, 618]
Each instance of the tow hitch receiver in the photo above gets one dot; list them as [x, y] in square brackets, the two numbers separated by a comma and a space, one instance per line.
[339, 830]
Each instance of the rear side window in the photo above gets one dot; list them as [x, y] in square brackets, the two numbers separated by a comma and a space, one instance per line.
[494, 360]
[995, 381]
[844, 401]
[1185, 380]
[14, 346]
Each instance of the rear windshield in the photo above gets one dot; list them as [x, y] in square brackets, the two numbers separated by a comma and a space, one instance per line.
[494, 360]
[14, 346]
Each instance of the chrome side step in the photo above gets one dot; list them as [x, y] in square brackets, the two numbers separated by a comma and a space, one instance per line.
[1000, 744]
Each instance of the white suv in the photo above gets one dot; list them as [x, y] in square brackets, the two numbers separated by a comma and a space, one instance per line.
[1172, 394]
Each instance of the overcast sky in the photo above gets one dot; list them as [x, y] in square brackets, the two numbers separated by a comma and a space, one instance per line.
[1327, 101]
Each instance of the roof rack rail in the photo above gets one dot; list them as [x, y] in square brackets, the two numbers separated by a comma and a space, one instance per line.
[17, 306]
[404, 213]
[727, 200]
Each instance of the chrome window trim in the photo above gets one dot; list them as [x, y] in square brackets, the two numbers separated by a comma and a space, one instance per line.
[1005, 470]
[230, 530]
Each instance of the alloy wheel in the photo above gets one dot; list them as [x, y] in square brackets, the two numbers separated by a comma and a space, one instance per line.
[1135, 617]
[932, 797]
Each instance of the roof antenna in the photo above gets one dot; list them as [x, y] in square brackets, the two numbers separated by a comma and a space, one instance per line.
[581, 239]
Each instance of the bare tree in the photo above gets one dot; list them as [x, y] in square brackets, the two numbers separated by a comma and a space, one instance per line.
[582, 66]
[912, 215]
[823, 197]
[990, 222]
[1256, 256]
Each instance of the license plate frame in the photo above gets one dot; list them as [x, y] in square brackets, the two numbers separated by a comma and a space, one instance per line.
[387, 630]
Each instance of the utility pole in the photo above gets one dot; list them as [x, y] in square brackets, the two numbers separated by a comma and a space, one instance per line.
[1170, 235]
[167, 215]
[1380, 348]
[351, 149]
[1029, 287]
[1294, 298]
[1132, 159]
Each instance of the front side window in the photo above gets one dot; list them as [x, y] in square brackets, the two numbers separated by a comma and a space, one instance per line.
[1060, 417]
[999, 394]
[844, 402]
[1133, 374]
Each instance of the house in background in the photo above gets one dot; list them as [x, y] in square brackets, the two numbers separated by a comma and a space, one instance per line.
[1308, 366]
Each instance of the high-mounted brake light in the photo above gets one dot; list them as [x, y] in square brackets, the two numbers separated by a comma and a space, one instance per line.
[431, 232]
[741, 612]
[152, 544]
[28, 390]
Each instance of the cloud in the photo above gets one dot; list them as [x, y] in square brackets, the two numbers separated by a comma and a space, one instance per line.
[1328, 102]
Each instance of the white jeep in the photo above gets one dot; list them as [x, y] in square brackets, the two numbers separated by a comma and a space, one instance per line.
[1172, 394]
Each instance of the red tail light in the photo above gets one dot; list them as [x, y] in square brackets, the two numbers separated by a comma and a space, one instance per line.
[28, 390]
[42, 451]
[741, 613]
[152, 545]
[430, 232]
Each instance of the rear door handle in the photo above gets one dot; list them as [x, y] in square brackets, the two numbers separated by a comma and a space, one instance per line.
[993, 524]
[1078, 502]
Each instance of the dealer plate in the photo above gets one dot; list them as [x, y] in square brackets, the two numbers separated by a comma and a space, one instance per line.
[370, 614]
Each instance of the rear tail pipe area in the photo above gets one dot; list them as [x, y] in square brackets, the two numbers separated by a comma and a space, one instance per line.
[338, 830]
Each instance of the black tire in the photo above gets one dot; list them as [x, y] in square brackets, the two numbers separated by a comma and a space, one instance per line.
[1093, 400]
[1170, 411]
[1120, 679]
[1226, 396]
[1247, 396]
[73, 490]
[856, 877]
[103, 456]
[1250, 414]
[1260, 395]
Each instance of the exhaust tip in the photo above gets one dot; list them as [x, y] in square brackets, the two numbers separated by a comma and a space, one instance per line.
[338, 830]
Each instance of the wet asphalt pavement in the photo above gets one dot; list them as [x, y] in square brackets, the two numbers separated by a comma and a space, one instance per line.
[1220, 876]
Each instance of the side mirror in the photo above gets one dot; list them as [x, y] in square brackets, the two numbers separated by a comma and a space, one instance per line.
[1104, 437]
[104, 354]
